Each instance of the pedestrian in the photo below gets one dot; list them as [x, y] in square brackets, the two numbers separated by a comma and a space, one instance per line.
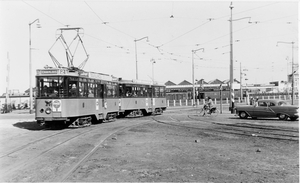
[251, 101]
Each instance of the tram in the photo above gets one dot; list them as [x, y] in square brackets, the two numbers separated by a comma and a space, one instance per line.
[68, 95]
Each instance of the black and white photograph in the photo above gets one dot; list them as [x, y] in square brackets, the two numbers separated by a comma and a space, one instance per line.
[149, 91]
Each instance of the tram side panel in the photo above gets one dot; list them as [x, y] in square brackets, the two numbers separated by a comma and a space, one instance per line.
[62, 109]
[131, 104]
[88, 107]
[160, 103]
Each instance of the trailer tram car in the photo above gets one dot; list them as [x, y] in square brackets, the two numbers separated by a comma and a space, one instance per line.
[141, 98]
[68, 95]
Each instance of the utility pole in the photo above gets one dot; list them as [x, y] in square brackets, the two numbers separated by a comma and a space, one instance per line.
[231, 64]
[30, 66]
[241, 79]
[7, 84]
[136, 60]
[193, 73]
[153, 62]
[293, 92]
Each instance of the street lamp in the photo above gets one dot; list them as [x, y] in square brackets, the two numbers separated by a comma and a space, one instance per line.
[231, 96]
[193, 72]
[30, 84]
[136, 54]
[153, 62]
[293, 92]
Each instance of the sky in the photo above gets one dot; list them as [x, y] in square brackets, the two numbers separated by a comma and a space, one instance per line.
[262, 34]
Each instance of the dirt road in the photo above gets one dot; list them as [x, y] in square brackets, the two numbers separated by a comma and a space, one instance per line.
[177, 146]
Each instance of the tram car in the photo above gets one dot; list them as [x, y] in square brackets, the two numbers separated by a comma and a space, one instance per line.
[69, 95]
[141, 98]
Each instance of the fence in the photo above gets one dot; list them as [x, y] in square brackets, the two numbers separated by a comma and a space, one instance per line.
[189, 102]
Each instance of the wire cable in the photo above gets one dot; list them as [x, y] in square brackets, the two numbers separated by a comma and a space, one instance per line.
[44, 13]
[185, 33]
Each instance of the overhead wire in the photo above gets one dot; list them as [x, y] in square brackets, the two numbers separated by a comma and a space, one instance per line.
[185, 33]
[44, 13]
[161, 51]
[106, 23]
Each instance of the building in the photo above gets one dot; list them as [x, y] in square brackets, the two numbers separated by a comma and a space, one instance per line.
[184, 90]
[213, 89]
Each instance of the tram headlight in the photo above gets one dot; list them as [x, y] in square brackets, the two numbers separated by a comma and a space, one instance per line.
[48, 111]
[42, 110]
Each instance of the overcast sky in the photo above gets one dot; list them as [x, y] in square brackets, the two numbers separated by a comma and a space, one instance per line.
[174, 29]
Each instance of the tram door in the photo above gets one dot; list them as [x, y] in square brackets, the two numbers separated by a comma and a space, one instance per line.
[150, 95]
[102, 95]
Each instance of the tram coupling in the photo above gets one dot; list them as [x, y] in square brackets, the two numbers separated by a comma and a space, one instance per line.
[110, 117]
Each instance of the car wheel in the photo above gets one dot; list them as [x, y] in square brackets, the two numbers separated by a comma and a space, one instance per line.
[293, 118]
[282, 116]
[243, 115]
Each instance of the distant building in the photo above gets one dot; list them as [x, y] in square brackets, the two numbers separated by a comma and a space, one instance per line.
[203, 89]
[184, 90]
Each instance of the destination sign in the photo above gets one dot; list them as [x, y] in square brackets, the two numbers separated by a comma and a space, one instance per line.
[59, 71]
[99, 76]
[48, 71]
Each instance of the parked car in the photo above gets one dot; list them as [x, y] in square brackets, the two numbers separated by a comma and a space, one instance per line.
[268, 109]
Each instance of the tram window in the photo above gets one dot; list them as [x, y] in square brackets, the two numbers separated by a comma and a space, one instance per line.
[63, 88]
[99, 90]
[136, 91]
[128, 91]
[73, 86]
[115, 90]
[149, 92]
[121, 91]
[143, 92]
[156, 91]
[48, 86]
[111, 90]
[83, 89]
[162, 91]
[91, 90]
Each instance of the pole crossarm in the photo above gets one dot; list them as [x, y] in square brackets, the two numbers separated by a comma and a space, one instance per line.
[242, 19]
[194, 51]
[38, 20]
[292, 42]
[142, 39]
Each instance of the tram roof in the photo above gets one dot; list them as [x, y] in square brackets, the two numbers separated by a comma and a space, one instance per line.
[140, 82]
[90, 75]
[76, 73]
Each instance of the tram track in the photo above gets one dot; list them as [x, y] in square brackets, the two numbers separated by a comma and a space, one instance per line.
[33, 142]
[73, 169]
[255, 127]
[17, 160]
[29, 161]
[248, 130]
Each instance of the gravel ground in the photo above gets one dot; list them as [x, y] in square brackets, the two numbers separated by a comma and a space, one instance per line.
[146, 152]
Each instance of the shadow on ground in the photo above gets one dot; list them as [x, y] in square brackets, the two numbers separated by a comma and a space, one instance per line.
[32, 125]
[263, 119]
